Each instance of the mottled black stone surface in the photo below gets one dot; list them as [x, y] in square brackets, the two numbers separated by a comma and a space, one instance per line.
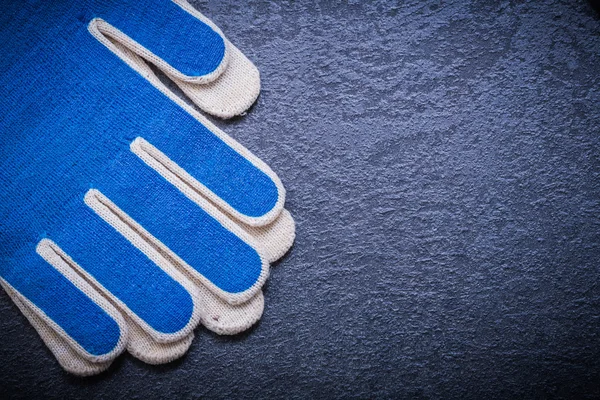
[442, 161]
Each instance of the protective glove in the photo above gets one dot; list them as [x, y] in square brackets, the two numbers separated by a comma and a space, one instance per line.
[126, 217]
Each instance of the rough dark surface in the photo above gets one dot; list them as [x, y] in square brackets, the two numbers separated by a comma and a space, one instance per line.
[442, 161]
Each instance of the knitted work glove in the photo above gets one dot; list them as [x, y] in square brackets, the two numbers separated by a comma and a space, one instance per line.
[126, 217]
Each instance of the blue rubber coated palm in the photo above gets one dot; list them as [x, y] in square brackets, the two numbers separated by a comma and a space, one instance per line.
[68, 112]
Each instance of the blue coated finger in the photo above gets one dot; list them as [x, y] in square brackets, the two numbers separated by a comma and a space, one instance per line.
[67, 306]
[166, 30]
[240, 184]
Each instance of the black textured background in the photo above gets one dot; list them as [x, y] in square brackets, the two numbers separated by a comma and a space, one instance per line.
[442, 161]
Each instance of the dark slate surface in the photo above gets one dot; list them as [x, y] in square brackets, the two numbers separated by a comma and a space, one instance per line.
[442, 163]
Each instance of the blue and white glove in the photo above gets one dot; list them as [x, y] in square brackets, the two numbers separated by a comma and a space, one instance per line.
[126, 217]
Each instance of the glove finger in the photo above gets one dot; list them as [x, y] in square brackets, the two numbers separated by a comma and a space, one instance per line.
[219, 168]
[68, 358]
[185, 46]
[73, 309]
[231, 94]
[216, 314]
[276, 238]
[144, 347]
[226, 319]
